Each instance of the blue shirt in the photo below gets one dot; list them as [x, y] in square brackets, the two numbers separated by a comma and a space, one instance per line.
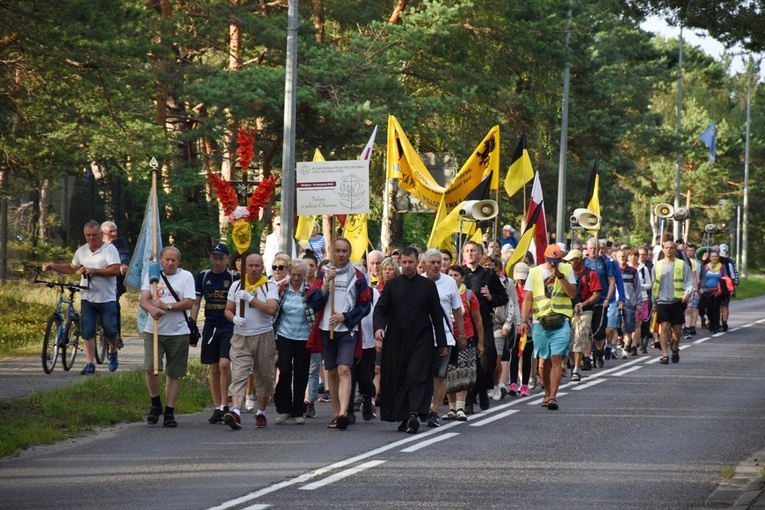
[214, 289]
[293, 323]
[603, 268]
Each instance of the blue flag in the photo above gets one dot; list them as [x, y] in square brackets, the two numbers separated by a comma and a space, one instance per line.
[143, 256]
[709, 137]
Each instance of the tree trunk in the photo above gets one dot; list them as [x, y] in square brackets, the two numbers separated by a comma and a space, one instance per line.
[318, 20]
[400, 6]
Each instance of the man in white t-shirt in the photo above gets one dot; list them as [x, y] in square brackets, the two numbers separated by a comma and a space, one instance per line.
[100, 263]
[250, 305]
[451, 303]
[170, 312]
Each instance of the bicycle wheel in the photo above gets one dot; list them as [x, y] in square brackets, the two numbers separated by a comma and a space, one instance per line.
[72, 342]
[50, 343]
[102, 346]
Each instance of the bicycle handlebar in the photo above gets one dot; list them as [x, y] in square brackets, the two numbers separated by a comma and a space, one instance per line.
[74, 287]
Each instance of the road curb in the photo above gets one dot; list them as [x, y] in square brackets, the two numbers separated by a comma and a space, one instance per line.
[744, 491]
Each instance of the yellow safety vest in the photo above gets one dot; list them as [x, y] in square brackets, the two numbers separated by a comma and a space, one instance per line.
[677, 278]
[558, 302]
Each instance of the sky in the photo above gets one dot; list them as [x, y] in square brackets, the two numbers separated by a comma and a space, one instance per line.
[694, 37]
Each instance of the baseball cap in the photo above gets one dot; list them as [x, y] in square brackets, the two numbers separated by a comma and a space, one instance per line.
[573, 254]
[723, 249]
[521, 271]
[508, 227]
[553, 254]
[220, 249]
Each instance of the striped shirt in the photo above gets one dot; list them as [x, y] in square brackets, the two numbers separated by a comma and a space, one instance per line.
[293, 323]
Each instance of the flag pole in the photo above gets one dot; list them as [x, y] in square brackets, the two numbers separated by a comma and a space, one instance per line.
[332, 283]
[154, 213]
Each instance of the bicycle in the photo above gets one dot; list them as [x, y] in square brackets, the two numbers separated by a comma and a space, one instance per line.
[102, 344]
[62, 333]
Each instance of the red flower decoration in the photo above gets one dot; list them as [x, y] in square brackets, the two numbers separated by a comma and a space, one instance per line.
[245, 141]
[225, 191]
[227, 196]
[260, 196]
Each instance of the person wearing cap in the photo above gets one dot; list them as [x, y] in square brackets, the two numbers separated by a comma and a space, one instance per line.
[549, 291]
[672, 290]
[508, 237]
[213, 285]
[730, 267]
[598, 262]
[588, 292]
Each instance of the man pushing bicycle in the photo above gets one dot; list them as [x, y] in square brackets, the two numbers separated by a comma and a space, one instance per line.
[100, 262]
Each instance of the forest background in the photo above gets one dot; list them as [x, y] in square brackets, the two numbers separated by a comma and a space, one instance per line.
[90, 90]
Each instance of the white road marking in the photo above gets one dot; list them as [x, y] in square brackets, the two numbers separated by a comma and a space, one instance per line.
[589, 384]
[683, 347]
[495, 418]
[539, 400]
[721, 333]
[702, 340]
[256, 507]
[341, 475]
[429, 442]
[652, 361]
[631, 369]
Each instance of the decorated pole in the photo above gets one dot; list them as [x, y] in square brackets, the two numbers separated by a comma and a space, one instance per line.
[154, 266]
[332, 283]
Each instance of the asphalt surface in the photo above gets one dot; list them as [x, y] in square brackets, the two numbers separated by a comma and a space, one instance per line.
[635, 434]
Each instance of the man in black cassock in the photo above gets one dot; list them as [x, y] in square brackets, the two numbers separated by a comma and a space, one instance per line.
[405, 318]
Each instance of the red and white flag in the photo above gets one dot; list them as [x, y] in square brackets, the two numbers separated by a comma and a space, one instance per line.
[540, 232]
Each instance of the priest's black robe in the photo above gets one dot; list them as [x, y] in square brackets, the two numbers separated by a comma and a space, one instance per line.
[409, 311]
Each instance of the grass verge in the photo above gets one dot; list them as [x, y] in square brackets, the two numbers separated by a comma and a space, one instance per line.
[82, 407]
[752, 286]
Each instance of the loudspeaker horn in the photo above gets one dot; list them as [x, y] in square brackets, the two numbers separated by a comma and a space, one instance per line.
[722, 225]
[681, 214]
[585, 219]
[664, 210]
[478, 210]
[710, 228]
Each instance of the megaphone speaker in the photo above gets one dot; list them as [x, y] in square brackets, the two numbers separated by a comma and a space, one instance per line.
[664, 210]
[585, 219]
[681, 214]
[710, 228]
[722, 225]
[478, 210]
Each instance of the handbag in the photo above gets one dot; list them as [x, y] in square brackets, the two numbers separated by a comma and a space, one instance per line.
[194, 334]
[552, 321]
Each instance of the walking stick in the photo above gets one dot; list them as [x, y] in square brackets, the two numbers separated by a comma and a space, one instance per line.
[332, 283]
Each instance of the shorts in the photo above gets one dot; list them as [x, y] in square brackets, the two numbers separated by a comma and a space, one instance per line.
[724, 299]
[499, 341]
[173, 347]
[253, 354]
[339, 350]
[674, 313]
[581, 329]
[613, 316]
[441, 363]
[551, 342]
[628, 314]
[598, 323]
[108, 315]
[216, 343]
[643, 311]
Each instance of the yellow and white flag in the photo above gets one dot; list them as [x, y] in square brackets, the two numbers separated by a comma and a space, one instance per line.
[305, 223]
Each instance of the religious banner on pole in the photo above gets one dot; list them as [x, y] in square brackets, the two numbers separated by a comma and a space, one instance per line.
[332, 187]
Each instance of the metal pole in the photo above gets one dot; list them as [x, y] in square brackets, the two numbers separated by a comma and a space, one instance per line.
[745, 219]
[288, 145]
[560, 212]
[738, 235]
[4, 175]
[678, 158]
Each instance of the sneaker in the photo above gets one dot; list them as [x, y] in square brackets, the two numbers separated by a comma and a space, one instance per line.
[260, 421]
[113, 363]
[169, 421]
[496, 393]
[89, 369]
[599, 358]
[310, 410]
[367, 409]
[281, 419]
[351, 417]
[587, 364]
[325, 398]
[299, 420]
[483, 401]
[153, 417]
[468, 410]
[693, 330]
[413, 424]
[686, 333]
[608, 353]
[322, 389]
[461, 416]
[217, 416]
[575, 377]
[451, 415]
[623, 354]
[524, 390]
[433, 419]
[724, 326]
[249, 403]
[643, 349]
[633, 351]
[675, 356]
[513, 390]
[233, 420]
[502, 391]
[532, 383]
[664, 360]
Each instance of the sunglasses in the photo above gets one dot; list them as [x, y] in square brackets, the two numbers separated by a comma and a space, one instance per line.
[278, 268]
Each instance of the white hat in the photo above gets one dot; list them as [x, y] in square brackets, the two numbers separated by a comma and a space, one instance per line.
[724, 249]
[521, 271]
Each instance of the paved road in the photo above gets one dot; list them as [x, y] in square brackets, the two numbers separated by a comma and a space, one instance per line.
[635, 434]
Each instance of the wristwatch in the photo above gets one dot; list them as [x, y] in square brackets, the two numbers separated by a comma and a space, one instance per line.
[169, 307]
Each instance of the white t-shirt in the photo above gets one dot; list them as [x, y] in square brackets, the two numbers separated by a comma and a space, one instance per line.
[449, 296]
[367, 327]
[257, 321]
[173, 322]
[103, 289]
[345, 297]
